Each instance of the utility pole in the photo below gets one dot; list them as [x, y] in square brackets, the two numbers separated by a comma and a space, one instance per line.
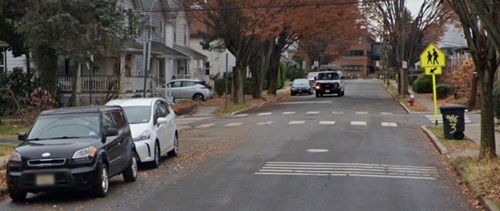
[225, 103]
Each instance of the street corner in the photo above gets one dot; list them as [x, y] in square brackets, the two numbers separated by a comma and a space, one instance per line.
[434, 140]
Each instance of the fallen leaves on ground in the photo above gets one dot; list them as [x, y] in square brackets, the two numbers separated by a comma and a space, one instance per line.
[481, 175]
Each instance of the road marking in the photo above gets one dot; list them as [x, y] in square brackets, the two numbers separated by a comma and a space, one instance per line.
[326, 122]
[312, 112]
[296, 122]
[240, 115]
[389, 124]
[386, 113]
[307, 102]
[358, 123]
[265, 123]
[361, 112]
[317, 150]
[205, 125]
[234, 124]
[289, 112]
[440, 118]
[348, 170]
[337, 112]
[264, 114]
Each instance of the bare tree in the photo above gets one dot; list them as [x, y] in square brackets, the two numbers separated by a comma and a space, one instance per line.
[486, 60]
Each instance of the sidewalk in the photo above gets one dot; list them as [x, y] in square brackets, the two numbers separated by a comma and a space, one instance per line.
[472, 131]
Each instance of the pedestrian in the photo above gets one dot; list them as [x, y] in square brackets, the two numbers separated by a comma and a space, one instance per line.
[429, 57]
[435, 54]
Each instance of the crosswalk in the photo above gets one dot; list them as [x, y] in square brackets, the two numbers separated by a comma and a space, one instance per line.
[312, 113]
[297, 122]
[440, 118]
[348, 170]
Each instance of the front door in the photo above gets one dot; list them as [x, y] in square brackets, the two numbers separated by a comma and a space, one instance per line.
[113, 144]
[161, 129]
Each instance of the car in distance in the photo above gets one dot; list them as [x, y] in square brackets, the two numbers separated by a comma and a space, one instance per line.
[193, 89]
[153, 125]
[330, 82]
[311, 76]
[74, 148]
[301, 85]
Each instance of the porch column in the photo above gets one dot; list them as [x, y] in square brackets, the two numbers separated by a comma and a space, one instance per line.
[133, 73]
[123, 69]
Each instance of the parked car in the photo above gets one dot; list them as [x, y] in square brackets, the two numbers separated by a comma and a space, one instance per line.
[73, 149]
[330, 82]
[301, 85]
[194, 89]
[311, 76]
[153, 125]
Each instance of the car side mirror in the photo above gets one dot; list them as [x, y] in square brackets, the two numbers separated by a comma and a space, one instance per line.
[315, 78]
[342, 77]
[161, 120]
[111, 132]
[22, 136]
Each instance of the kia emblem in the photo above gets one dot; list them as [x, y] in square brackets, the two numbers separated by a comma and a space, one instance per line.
[45, 154]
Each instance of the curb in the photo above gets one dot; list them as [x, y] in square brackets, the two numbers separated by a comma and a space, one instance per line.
[256, 106]
[442, 150]
[395, 99]
[487, 204]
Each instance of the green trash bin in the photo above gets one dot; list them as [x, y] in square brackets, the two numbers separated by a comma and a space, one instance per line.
[453, 121]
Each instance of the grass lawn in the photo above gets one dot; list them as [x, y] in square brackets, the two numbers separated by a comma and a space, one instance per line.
[481, 175]
[6, 149]
[8, 131]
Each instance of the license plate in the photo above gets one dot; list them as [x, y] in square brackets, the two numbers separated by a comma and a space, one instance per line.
[45, 179]
[327, 91]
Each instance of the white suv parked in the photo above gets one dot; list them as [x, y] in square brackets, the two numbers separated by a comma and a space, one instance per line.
[194, 89]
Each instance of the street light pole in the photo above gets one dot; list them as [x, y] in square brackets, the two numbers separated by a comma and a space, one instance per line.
[225, 103]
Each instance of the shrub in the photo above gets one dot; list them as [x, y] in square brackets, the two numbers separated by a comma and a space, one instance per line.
[220, 84]
[423, 84]
[496, 99]
[443, 90]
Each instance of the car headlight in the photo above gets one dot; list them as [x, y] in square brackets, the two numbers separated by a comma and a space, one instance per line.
[15, 157]
[318, 87]
[144, 136]
[85, 154]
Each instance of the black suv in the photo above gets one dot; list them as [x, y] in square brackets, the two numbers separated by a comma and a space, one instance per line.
[74, 149]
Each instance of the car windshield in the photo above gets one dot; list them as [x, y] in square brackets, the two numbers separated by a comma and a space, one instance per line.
[300, 82]
[328, 76]
[138, 114]
[64, 126]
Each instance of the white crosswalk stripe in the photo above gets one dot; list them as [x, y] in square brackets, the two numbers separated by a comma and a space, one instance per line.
[361, 112]
[234, 124]
[296, 122]
[264, 114]
[348, 170]
[205, 125]
[389, 124]
[386, 113]
[327, 122]
[440, 118]
[337, 112]
[288, 112]
[312, 112]
[358, 123]
[265, 123]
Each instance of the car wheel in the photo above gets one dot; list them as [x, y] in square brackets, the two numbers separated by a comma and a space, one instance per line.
[17, 196]
[156, 162]
[175, 151]
[459, 135]
[317, 94]
[310, 92]
[198, 97]
[130, 173]
[293, 93]
[101, 186]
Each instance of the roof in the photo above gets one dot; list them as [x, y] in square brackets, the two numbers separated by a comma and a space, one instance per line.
[190, 52]
[163, 49]
[133, 101]
[3, 44]
[80, 109]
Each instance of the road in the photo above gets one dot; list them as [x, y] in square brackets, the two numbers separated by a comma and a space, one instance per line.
[356, 152]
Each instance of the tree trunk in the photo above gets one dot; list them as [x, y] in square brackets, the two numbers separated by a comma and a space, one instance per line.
[256, 80]
[72, 99]
[45, 59]
[238, 78]
[473, 93]
[486, 79]
[272, 80]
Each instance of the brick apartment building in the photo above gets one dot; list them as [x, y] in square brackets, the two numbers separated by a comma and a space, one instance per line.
[357, 61]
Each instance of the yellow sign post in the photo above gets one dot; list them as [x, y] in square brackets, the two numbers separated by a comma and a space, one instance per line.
[432, 59]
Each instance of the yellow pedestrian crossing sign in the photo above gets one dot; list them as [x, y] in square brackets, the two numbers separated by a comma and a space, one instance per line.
[433, 70]
[432, 56]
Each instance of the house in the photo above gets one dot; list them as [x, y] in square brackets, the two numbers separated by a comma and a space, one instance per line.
[165, 42]
[219, 60]
[357, 62]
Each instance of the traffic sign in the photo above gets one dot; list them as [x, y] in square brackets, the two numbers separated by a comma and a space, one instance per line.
[432, 56]
[433, 70]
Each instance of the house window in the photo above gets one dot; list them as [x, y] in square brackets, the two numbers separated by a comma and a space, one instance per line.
[356, 53]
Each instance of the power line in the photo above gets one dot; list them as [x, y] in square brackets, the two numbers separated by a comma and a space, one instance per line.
[257, 7]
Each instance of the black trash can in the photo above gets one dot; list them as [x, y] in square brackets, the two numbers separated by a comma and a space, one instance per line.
[453, 121]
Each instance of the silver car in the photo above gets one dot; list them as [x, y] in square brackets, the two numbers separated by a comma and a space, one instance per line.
[194, 89]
